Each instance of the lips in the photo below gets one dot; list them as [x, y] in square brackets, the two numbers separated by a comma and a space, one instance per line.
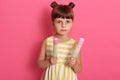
[63, 30]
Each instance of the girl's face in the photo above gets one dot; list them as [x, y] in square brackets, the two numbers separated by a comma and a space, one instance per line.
[62, 25]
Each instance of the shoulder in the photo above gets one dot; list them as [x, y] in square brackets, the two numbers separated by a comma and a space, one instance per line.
[48, 40]
[73, 40]
[49, 37]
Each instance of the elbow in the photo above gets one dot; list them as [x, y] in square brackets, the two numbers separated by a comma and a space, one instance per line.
[39, 63]
[42, 64]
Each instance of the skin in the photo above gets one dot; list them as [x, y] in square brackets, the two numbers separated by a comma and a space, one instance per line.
[62, 27]
[62, 24]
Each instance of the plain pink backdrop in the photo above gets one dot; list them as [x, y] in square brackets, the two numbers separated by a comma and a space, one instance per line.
[24, 24]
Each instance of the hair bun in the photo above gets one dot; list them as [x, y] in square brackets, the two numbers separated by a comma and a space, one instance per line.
[54, 4]
[71, 4]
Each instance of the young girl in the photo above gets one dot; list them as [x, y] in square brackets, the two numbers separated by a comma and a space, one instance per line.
[62, 66]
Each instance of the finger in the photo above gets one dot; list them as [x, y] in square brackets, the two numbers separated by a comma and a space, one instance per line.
[68, 58]
[70, 65]
[72, 62]
[55, 57]
[69, 55]
[72, 58]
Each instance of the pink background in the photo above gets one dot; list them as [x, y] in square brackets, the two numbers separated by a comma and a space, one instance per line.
[24, 24]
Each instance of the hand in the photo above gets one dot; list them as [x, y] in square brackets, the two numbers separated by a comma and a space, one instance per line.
[53, 60]
[71, 61]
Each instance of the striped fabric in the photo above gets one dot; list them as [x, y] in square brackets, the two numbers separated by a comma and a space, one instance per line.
[60, 71]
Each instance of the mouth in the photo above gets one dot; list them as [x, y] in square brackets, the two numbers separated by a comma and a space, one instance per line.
[63, 30]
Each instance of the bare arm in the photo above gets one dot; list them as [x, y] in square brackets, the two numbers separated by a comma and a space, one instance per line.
[77, 67]
[42, 62]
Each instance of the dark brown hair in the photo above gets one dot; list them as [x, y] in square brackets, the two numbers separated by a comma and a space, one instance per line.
[64, 11]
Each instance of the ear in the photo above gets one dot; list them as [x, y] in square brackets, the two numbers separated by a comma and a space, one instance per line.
[71, 5]
[54, 4]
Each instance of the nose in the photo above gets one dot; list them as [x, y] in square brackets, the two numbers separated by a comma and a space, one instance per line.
[63, 25]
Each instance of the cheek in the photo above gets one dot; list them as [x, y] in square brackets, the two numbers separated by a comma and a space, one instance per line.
[57, 28]
[56, 25]
[69, 26]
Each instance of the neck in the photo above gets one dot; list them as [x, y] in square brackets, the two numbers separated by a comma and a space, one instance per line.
[61, 36]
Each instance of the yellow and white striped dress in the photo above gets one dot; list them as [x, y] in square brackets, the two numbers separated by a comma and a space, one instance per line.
[60, 71]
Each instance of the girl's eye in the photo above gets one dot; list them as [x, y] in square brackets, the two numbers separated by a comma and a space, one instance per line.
[58, 21]
[67, 21]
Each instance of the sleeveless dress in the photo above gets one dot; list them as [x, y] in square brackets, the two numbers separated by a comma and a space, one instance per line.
[61, 70]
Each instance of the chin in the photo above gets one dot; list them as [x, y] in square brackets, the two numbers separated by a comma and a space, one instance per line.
[61, 34]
